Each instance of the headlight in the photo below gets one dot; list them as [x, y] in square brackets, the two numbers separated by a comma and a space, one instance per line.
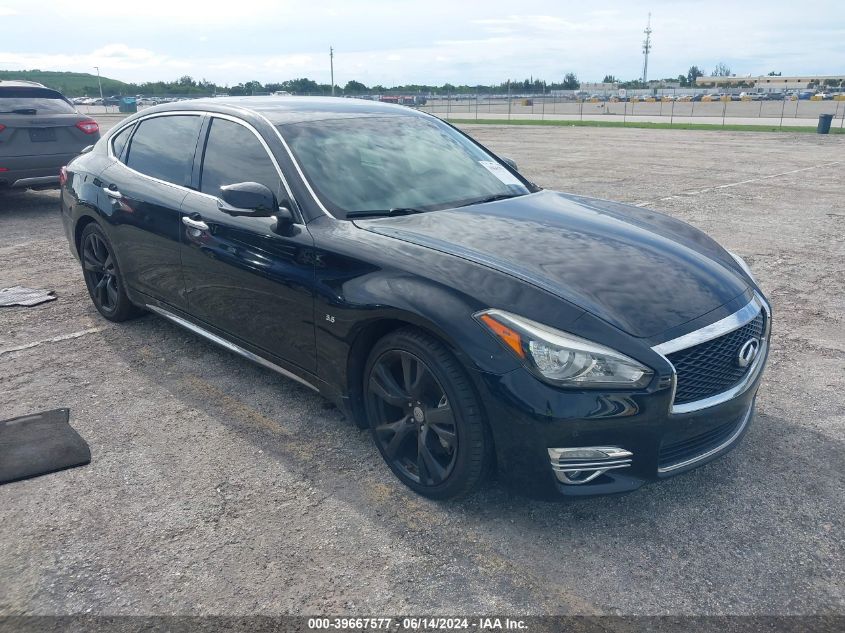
[743, 265]
[561, 358]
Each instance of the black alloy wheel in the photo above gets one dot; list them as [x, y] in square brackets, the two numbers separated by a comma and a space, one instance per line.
[434, 442]
[102, 276]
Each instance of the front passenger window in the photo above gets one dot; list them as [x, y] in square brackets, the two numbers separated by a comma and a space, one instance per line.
[233, 154]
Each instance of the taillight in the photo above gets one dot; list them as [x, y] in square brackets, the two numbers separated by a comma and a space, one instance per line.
[89, 127]
[63, 176]
[2, 127]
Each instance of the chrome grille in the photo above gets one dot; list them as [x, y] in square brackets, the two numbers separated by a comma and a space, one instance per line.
[711, 367]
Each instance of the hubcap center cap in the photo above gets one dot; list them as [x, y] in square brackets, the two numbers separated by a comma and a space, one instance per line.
[419, 416]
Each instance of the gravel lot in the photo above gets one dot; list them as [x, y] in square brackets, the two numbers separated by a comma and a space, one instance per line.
[219, 487]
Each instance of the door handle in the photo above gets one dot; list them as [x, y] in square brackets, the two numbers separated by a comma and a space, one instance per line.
[112, 192]
[194, 224]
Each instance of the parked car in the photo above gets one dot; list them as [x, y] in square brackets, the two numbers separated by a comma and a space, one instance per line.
[40, 131]
[470, 319]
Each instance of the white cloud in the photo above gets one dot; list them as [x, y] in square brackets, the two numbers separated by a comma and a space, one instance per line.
[386, 42]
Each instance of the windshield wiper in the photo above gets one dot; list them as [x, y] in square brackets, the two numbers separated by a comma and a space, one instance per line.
[382, 212]
[493, 198]
[20, 111]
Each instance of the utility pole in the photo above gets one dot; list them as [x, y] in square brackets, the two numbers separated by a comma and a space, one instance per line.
[646, 49]
[331, 64]
[100, 83]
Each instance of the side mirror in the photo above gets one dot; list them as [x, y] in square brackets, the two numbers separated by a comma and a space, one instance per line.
[248, 199]
[509, 162]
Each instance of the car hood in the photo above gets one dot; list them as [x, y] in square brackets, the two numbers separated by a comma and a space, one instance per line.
[637, 269]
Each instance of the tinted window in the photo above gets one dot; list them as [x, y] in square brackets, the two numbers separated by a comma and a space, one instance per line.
[42, 100]
[119, 141]
[234, 154]
[163, 147]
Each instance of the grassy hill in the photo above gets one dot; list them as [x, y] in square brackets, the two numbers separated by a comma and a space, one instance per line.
[69, 84]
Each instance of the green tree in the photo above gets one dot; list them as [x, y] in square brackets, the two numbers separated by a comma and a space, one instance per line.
[774, 74]
[354, 87]
[721, 70]
[570, 82]
[609, 79]
[693, 73]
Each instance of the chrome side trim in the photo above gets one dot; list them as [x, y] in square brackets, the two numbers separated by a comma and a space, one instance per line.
[712, 451]
[714, 330]
[726, 325]
[229, 345]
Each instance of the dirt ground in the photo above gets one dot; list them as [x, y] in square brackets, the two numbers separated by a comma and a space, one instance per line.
[218, 487]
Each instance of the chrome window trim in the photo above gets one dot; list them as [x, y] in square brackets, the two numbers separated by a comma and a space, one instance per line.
[113, 136]
[698, 458]
[296, 165]
[724, 326]
[201, 113]
[232, 347]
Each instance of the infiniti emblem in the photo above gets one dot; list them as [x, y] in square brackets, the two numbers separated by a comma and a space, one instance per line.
[748, 352]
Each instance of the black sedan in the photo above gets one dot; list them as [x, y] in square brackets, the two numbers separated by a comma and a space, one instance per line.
[471, 320]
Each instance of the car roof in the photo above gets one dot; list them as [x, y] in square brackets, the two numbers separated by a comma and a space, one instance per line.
[281, 110]
[20, 83]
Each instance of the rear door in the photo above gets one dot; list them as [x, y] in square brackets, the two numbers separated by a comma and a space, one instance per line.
[145, 189]
[37, 123]
[242, 274]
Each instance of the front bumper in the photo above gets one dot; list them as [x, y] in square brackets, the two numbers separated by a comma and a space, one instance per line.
[625, 439]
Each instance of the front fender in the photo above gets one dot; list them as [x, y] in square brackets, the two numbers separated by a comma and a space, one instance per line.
[348, 322]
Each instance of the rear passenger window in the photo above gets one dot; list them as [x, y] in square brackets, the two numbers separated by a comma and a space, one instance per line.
[163, 147]
[119, 141]
[234, 154]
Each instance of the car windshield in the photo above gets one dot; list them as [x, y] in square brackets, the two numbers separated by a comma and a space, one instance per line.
[38, 99]
[362, 165]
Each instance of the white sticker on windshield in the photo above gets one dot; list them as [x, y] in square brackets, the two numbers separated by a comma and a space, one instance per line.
[500, 172]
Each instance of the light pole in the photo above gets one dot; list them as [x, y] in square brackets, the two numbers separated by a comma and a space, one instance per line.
[100, 83]
[331, 64]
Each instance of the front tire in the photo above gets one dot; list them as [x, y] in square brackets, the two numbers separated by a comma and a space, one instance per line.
[425, 417]
[102, 276]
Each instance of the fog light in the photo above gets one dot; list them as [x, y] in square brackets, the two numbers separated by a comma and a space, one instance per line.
[581, 465]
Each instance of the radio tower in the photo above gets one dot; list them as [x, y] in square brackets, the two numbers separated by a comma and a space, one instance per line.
[646, 49]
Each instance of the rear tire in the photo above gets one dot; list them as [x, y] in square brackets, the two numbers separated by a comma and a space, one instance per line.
[425, 417]
[102, 276]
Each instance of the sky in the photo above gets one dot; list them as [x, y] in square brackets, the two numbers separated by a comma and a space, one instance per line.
[421, 41]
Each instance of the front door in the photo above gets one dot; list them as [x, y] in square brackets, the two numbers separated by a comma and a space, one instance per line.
[243, 275]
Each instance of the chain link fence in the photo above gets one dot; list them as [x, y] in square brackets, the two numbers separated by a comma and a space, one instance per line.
[663, 106]
[672, 106]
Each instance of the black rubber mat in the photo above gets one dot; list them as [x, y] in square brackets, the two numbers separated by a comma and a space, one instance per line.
[38, 444]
